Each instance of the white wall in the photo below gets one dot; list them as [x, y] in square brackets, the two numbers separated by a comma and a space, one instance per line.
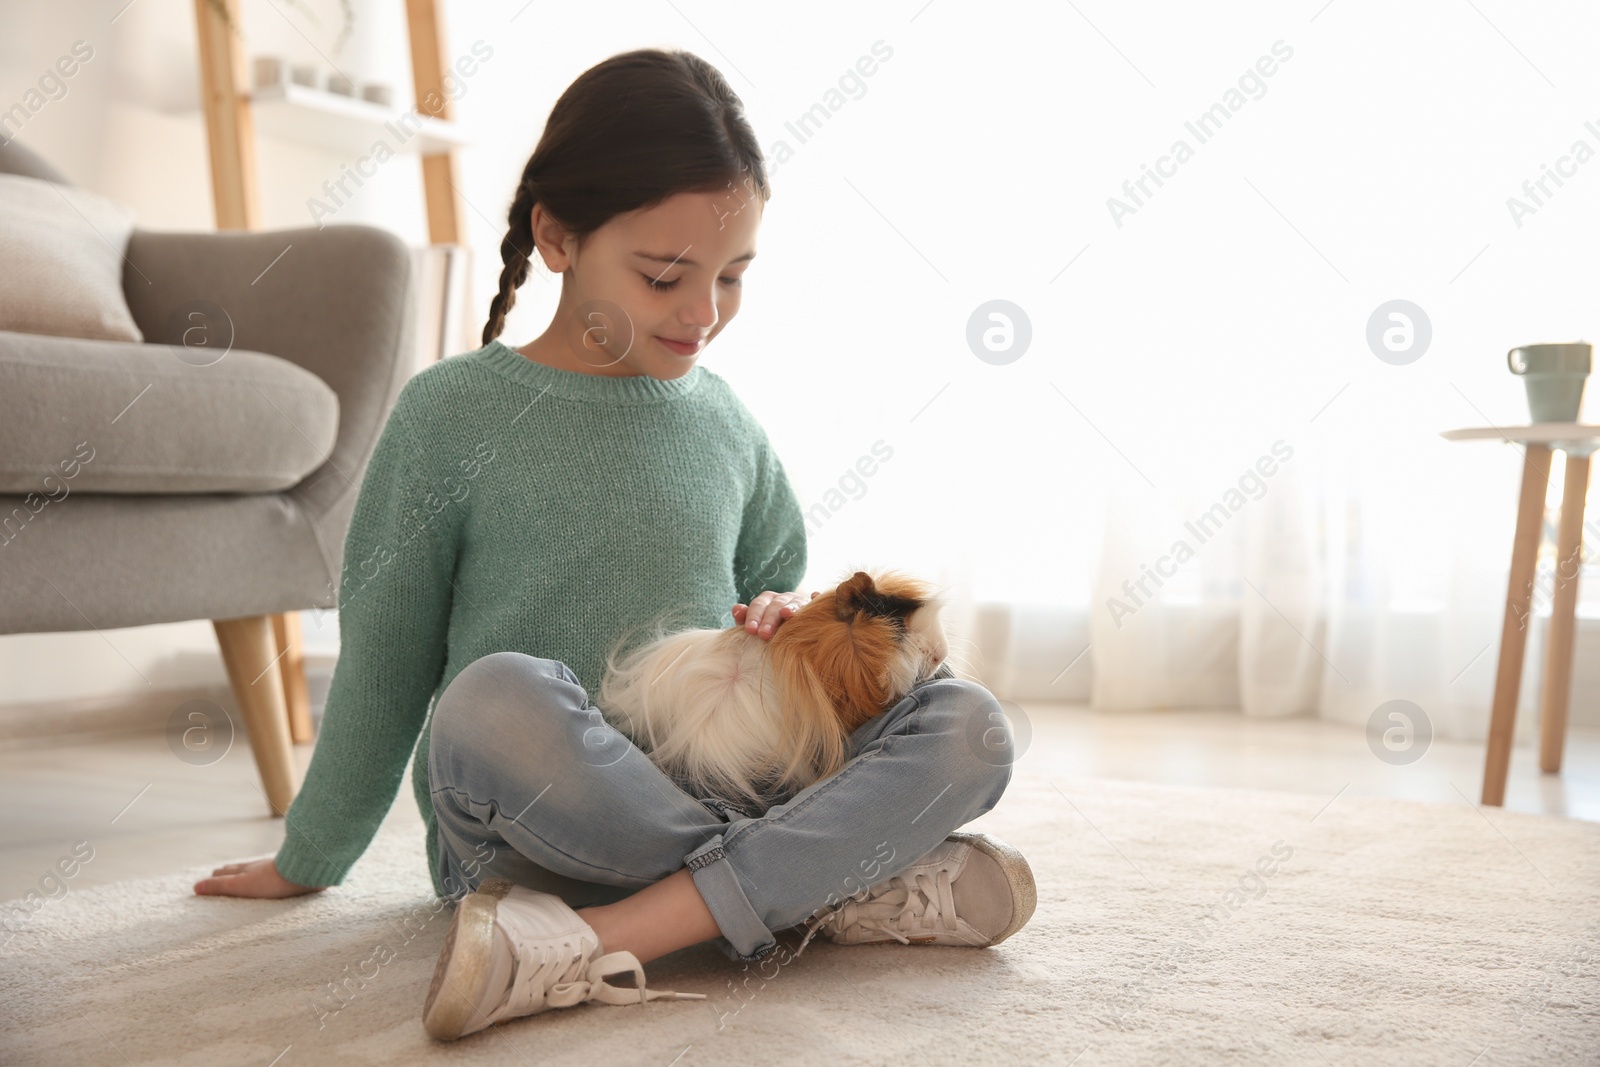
[977, 164]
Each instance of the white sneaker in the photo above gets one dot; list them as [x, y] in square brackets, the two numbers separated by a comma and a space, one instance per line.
[513, 951]
[970, 889]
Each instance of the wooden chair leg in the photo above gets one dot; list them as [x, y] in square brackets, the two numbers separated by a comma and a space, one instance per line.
[292, 666]
[1563, 612]
[1514, 628]
[249, 651]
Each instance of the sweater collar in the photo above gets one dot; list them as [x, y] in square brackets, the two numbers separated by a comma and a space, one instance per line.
[595, 388]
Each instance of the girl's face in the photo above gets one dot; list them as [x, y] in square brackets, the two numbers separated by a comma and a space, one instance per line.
[648, 290]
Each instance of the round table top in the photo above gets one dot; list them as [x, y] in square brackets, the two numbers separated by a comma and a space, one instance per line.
[1578, 438]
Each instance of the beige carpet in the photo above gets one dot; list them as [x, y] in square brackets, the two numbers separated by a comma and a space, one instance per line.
[1392, 933]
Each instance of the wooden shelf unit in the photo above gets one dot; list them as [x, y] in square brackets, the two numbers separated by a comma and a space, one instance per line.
[232, 108]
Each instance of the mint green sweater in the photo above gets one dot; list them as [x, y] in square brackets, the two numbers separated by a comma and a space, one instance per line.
[513, 506]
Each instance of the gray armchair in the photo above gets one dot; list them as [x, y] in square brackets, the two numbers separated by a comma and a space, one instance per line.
[223, 454]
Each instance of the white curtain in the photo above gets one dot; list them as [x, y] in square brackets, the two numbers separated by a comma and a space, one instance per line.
[1347, 583]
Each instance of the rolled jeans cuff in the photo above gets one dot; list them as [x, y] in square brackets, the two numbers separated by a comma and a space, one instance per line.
[744, 935]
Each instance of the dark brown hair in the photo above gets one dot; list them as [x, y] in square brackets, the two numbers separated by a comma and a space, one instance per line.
[628, 133]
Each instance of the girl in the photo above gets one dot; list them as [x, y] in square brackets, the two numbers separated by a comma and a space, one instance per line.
[522, 509]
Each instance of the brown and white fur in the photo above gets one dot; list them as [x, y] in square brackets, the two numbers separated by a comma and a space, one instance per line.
[732, 715]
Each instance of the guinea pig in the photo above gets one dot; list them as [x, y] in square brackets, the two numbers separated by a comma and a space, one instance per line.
[728, 714]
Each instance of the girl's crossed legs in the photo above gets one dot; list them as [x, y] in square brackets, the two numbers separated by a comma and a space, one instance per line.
[530, 784]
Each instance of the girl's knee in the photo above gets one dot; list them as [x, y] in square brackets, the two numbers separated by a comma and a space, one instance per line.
[503, 691]
[980, 747]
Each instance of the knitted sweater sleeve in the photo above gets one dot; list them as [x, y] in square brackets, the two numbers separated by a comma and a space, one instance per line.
[394, 606]
[771, 553]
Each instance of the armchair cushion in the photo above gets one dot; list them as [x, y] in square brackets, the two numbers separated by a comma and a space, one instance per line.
[62, 269]
[118, 417]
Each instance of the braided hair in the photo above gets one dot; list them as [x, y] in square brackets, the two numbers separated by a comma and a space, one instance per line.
[628, 133]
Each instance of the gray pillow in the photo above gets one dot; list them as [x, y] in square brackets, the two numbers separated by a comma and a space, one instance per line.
[61, 256]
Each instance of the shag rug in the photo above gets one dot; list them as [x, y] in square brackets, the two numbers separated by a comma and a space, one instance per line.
[1174, 925]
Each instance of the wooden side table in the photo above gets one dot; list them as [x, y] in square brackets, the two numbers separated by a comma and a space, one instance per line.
[1578, 441]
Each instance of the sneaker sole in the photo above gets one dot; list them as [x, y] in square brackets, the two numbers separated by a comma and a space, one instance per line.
[1019, 876]
[463, 962]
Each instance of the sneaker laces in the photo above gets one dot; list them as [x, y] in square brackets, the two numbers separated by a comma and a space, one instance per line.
[919, 903]
[558, 974]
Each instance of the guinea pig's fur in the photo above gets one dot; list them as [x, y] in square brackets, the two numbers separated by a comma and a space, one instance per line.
[735, 716]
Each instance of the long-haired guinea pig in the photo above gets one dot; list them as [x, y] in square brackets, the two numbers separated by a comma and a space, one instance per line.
[728, 714]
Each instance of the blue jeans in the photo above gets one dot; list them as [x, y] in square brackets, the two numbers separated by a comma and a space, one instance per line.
[529, 783]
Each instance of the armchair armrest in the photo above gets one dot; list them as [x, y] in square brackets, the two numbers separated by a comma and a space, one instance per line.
[335, 301]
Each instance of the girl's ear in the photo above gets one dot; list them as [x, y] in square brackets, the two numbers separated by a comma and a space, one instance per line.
[555, 245]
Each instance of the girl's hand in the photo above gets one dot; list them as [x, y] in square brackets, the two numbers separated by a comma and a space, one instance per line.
[767, 610]
[252, 878]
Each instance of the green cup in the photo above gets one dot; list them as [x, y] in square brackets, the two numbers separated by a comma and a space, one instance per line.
[1554, 376]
